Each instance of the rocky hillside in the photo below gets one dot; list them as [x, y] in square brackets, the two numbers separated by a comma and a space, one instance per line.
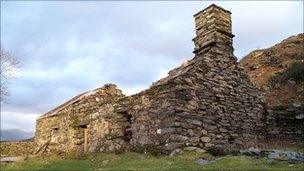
[278, 70]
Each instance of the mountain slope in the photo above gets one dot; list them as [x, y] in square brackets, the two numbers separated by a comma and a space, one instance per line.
[15, 135]
[278, 70]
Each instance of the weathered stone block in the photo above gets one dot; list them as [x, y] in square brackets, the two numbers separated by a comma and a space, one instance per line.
[205, 139]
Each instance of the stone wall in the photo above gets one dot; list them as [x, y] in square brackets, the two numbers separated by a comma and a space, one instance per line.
[18, 148]
[287, 122]
[63, 128]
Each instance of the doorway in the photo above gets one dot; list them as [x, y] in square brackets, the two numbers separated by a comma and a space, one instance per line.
[84, 131]
[128, 126]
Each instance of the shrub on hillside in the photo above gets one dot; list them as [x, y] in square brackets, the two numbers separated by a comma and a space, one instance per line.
[295, 71]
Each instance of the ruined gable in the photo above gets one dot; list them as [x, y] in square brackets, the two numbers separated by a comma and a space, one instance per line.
[62, 128]
[205, 102]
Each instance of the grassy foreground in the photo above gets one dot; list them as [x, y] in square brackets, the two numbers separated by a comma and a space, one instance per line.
[135, 161]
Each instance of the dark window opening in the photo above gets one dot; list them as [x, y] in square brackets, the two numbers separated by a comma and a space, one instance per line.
[55, 128]
[83, 126]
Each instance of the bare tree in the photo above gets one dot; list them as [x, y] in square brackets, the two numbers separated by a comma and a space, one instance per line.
[9, 67]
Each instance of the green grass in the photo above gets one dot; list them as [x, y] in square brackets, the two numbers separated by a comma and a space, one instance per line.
[135, 161]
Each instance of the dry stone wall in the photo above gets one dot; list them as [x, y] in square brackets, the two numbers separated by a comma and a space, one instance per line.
[63, 128]
[287, 122]
[18, 148]
[205, 107]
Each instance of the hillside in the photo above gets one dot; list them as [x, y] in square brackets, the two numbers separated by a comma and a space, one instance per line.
[278, 70]
[15, 135]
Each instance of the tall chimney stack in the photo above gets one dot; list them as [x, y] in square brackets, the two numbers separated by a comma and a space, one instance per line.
[213, 27]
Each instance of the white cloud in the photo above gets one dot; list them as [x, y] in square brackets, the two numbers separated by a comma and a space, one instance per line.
[10, 120]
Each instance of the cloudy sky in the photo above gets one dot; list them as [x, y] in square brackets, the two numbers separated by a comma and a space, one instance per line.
[70, 47]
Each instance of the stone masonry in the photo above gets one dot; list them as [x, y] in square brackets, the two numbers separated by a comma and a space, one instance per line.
[207, 101]
[16, 148]
[286, 122]
[62, 129]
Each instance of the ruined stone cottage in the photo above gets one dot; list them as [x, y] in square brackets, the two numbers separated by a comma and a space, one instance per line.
[207, 101]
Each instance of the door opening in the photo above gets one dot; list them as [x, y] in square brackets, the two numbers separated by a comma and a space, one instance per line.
[128, 126]
[85, 138]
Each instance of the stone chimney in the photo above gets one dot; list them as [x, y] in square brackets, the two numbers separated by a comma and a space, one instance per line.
[213, 27]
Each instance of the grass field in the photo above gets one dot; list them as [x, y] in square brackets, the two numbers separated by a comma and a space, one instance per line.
[135, 161]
